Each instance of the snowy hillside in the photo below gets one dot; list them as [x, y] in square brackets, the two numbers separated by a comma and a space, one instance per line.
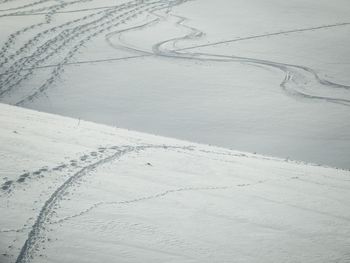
[75, 191]
[266, 76]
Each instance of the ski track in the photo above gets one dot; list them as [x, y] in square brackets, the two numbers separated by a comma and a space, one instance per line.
[26, 5]
[292, 84]
[38, 36]
[65, 37]
[58, 69]
[63, 12]
[56, 13]
[80, 34]
[82, 62]
[145, 198]
[203, 189]
[139, 199]
[291, 71]
[35, 236]
[266, 35]
[33, 11]
[9, 186]
[63, 168]
[12, 38]
[70, 40]
[108, 36]
[73, 38]
[119, 34]
[44, 218]
[41, 49]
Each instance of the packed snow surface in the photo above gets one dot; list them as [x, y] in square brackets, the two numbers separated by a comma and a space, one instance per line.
[266, 76]
[75, 191]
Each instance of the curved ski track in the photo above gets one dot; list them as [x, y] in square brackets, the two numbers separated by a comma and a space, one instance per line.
[293, 83]
[37, 232]
[68, 38]
[36, 235]
[45, 218]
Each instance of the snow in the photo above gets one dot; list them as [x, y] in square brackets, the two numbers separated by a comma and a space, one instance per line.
[268, 77]
[86, 176]
[95, 193]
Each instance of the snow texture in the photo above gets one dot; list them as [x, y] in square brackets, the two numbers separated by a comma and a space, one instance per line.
[261, 76]
[256, 76]
[75, 191]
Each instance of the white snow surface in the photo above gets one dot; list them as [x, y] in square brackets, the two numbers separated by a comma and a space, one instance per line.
[75, 191]
[266, 76]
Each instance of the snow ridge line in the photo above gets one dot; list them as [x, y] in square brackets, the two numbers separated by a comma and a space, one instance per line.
[35, 235]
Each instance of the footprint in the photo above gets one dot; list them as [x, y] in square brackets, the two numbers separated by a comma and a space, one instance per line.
[93, 154]
[8, 182]
[6, 185]
[101, 149]
[44, 169]
[60, 167]
[114, 147]
[242, 185]
[24, 175]
[21, 180]
[83, 158]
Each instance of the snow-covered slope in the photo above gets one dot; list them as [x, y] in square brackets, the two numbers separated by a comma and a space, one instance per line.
[268, 76]
[75, 191]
